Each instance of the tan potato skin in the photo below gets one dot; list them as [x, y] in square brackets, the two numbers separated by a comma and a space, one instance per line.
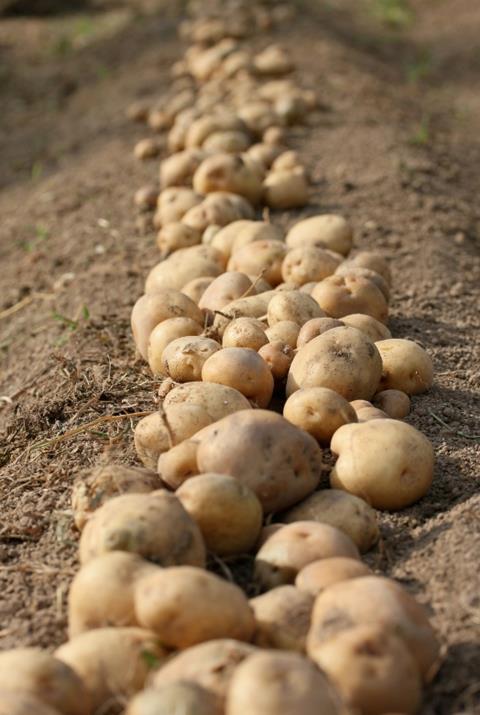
[218, 400]
[373, 328]
[315, 327]
[320, 575]
[195, 288]
[292, 305]
[262, 257]
[183, 266]
[185, 698]
[183, 359]
[406, 366]
[166, 332]
[319, 411]
[343, 295]
[243, 369]
[227, 287]
[396, 469]
[306, 264]
[284, 463]
[13, 702]
[375, 262]
[176, 235]
[348, 268]
[325, 231]
[286, 189]
[286, 331]
[278, 356]
[395, 403]
[227, 172]
[282, 618]
[179, 463]
[244, 333]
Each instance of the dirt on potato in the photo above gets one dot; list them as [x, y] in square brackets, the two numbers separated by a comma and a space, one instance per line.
[394, 146]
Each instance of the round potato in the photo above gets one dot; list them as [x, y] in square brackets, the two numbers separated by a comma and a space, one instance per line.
[205, 126]
[253, 306]
[263, 257]
[228, 172]
[278, 356]
[15, 702]
[180, 698]
[287, 189]
[375, 262]
[294, 306]
[195, 288]
[231, 142]
[285, 331]
[178, 169]
[145, 198]
[395, 403]
[179, 463]
[183, 266]
[347, 268]
[225, 288]
[176, 235]
[275, 136]
[366, 411]
[282, 618]
[183, 359]
[265, 153]
[173, 204]
[315, 327]
[307, 264]
[373, 328]
[255, 231]
[325, 231]
[165, 333]
[273, 60]
[244, 333]
[319, 575]
[343, 295]
[319, 411]
[242, 369]
[218, 400]
[406, 366]
[218, 209]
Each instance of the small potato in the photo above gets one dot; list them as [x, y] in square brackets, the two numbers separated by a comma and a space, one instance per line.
[242, 369]
[218, 400]
[177, 235]
[155, 526]
[406, 366]
[293, 306]
[386, 462]
[375, 262]
[282, 618]
[319, 411]
[294, 546]
[231, 142]
[372, 670]
[373, 328]
[342, 359]
[273, 60]
[185, 606]
[15, 702]
[113, 663]
[287, 160]
[227, 512]
[165, 333]
[183, 359]
[347, 268]
[366, 411]
[319, 575]
[179, 463]
[183, 266]
[325, 231]
[252, 306]
[225, 288]
[244, 333]
[378, 601]
[285, 190]
[346, 512]
[145, 198]
[180, 698]
[179, 168]
[228, 172]
[263, 257]
[315, 327]
[285, 331]
[278, 356]
[343, 295]
[31, 672]
[307, 264]
[395, 403]
[265, 153]
[147, 149]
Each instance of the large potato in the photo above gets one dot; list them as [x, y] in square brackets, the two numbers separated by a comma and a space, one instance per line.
[307, 264]
[374, 261]
[260, 258]
[347, 268]
[176, 235]
[228, 172]
[195, 288]
[294, 306]
[183, 266]
[255, 231]
[178, 169]
[406, 366]
[319, 575]
[283, 465]
[242, 369]
[325, 231]
[184, 358]
[343, 295]
[282, 618]
[244, 333]
[205, 126]
[287, 189]
[225, 288]
[173, 204]
[373, 328]
[386, 462]
[219, 208]
[342, 359]
[319, 411]
[218, 400]
[179, 698]
[165, 333]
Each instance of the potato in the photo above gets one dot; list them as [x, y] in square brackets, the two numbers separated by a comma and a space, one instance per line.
[265, 153]
[256, 231]
[283, 465]
[366, 411]
[242, 369]
[185, 606]
[231, 142]
[150, 310]
[177, 235]
[138, 111]
[275, 683]
[227, 172]
[258, 115]
[315, 327]
[320, 575]
[184, 358]
[395, 403]
[278, 356]
[406, 366]
[293, 306]
[173, 204]
[263, 257]
[206, 126]
[294, 546]
[375, 262]
[347, 268]
[273, 60]
[343, 295]
[209, 233]
[308, 287]
[219, 208]
[227, 512]
[179, 463]
[373, 600]
[93, 487]
[342, 359]
[183, 266]
[346, 512]
[306, 264]
[166, 333]
[325, 231]
[155, 526]
[225, 237]
[14, 702]
[285, 331]
[372, 669]
[178, 169]
[373, 328]
[275, 136]
[287, 160]
[285, 190]
[146, 197]
[386, 462]
[179, 698]
[31, 672]
[218, 400]
[147, 149]
[252, 306]
[113, 663]
[282, 618]
[225, 288]
[244, 333]
[102, 592]
[319, 411]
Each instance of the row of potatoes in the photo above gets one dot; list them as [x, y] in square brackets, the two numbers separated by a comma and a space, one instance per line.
[270, 347]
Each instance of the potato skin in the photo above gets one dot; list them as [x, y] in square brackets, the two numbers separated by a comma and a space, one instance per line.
[342, 295]
[325, 231]
[282, 618]
[307, 264]
[284, 463]
[292, 305]
[184, 358]
[395, 403]
[386, 462]
[243, 369]
[315, 327]
[179, 463]
[218, 400]
[262, 257]
[319, 411]
[185, 698]
[319, 575]
[166, 332]
[406, 366]
[13, 702]
[373, 328]
[227, 287]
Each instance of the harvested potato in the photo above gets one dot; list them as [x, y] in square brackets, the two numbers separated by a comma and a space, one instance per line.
[275, 136]
[395, 403]
[366, 411]
[319, 575]
[218, 400]
[178, 169]
[343, 295]
[155, 526]
[225, 237]
[284, 463]
[184, 358]
[231, 142]
[183, 266]
[15, 702]
[185, 606]
[166, 333]
[256, 231]
[386, 462]
[347, 268]
[294, 546]
[252, 306]
[179, 463]
[31, 672]
[228, 172]
[278, 356]
[307, 264]
[177, 235]
[227, 512]
[373, 600]
[145, 198]
[276, 683]
[372, 669]
[147, 149]
[273, 60]
[203, 127]
[242, 369]
[113, 663]
[373, 328]
[282, 618]
[258, 115]
[315, 327]
[173, 204]
[92, 487]
[195, 288]
[244, 333]
[225, 288]
[342, 359]
[263, 257]
[287, 189]
[285, 331]
[375, 262]
[406, 366]
[265, 153]
[180, 698]
[267, 532]
[319, 411]
[325, 231]
[293, 306]
[346, 512]
[287, 160]
[219, 208]
[308, 287]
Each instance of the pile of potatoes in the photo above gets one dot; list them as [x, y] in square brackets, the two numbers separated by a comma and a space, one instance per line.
[268, 347]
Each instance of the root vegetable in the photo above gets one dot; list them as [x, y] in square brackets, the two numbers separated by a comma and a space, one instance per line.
[320, 575]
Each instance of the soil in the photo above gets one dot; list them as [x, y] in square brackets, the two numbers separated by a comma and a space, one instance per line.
[394, 146]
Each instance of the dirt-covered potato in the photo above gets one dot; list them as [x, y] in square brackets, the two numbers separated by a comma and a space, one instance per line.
[244, 333]
[150, 310]
[147, 148]
[261, 258]
[342, 359]
[227, 512]
[325, 231]
[173, 204]
[294, 306]
[373, 600]
[185, 606]
[386, 462]
[285, 331]
[343, 295]
[218, 400]
[228, 172]
[183, 266]
[256, 231]
[406, 366]
[179, 463]
[176, 235]
[277, 683]
[282, 618]
[92, 487]
[155, 526]
[225, 288]
[295, 545]
[286, 189]
[278, 356]
[347, 268]
[315, 327]
[166, 333]
[113, 663]
[395, 403]
[283, 465]
[184, 358]
[307, 264]
[180, 698]
[352, 515]
[319, 411]
[253, 306]
[374, 261]
[224, 238]
[372, 669]
[228, 142]
[178, 169]
[275, 136]
[35, 673]
[15, 702]
[242, 369]
[369, 325]
[319, 575]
